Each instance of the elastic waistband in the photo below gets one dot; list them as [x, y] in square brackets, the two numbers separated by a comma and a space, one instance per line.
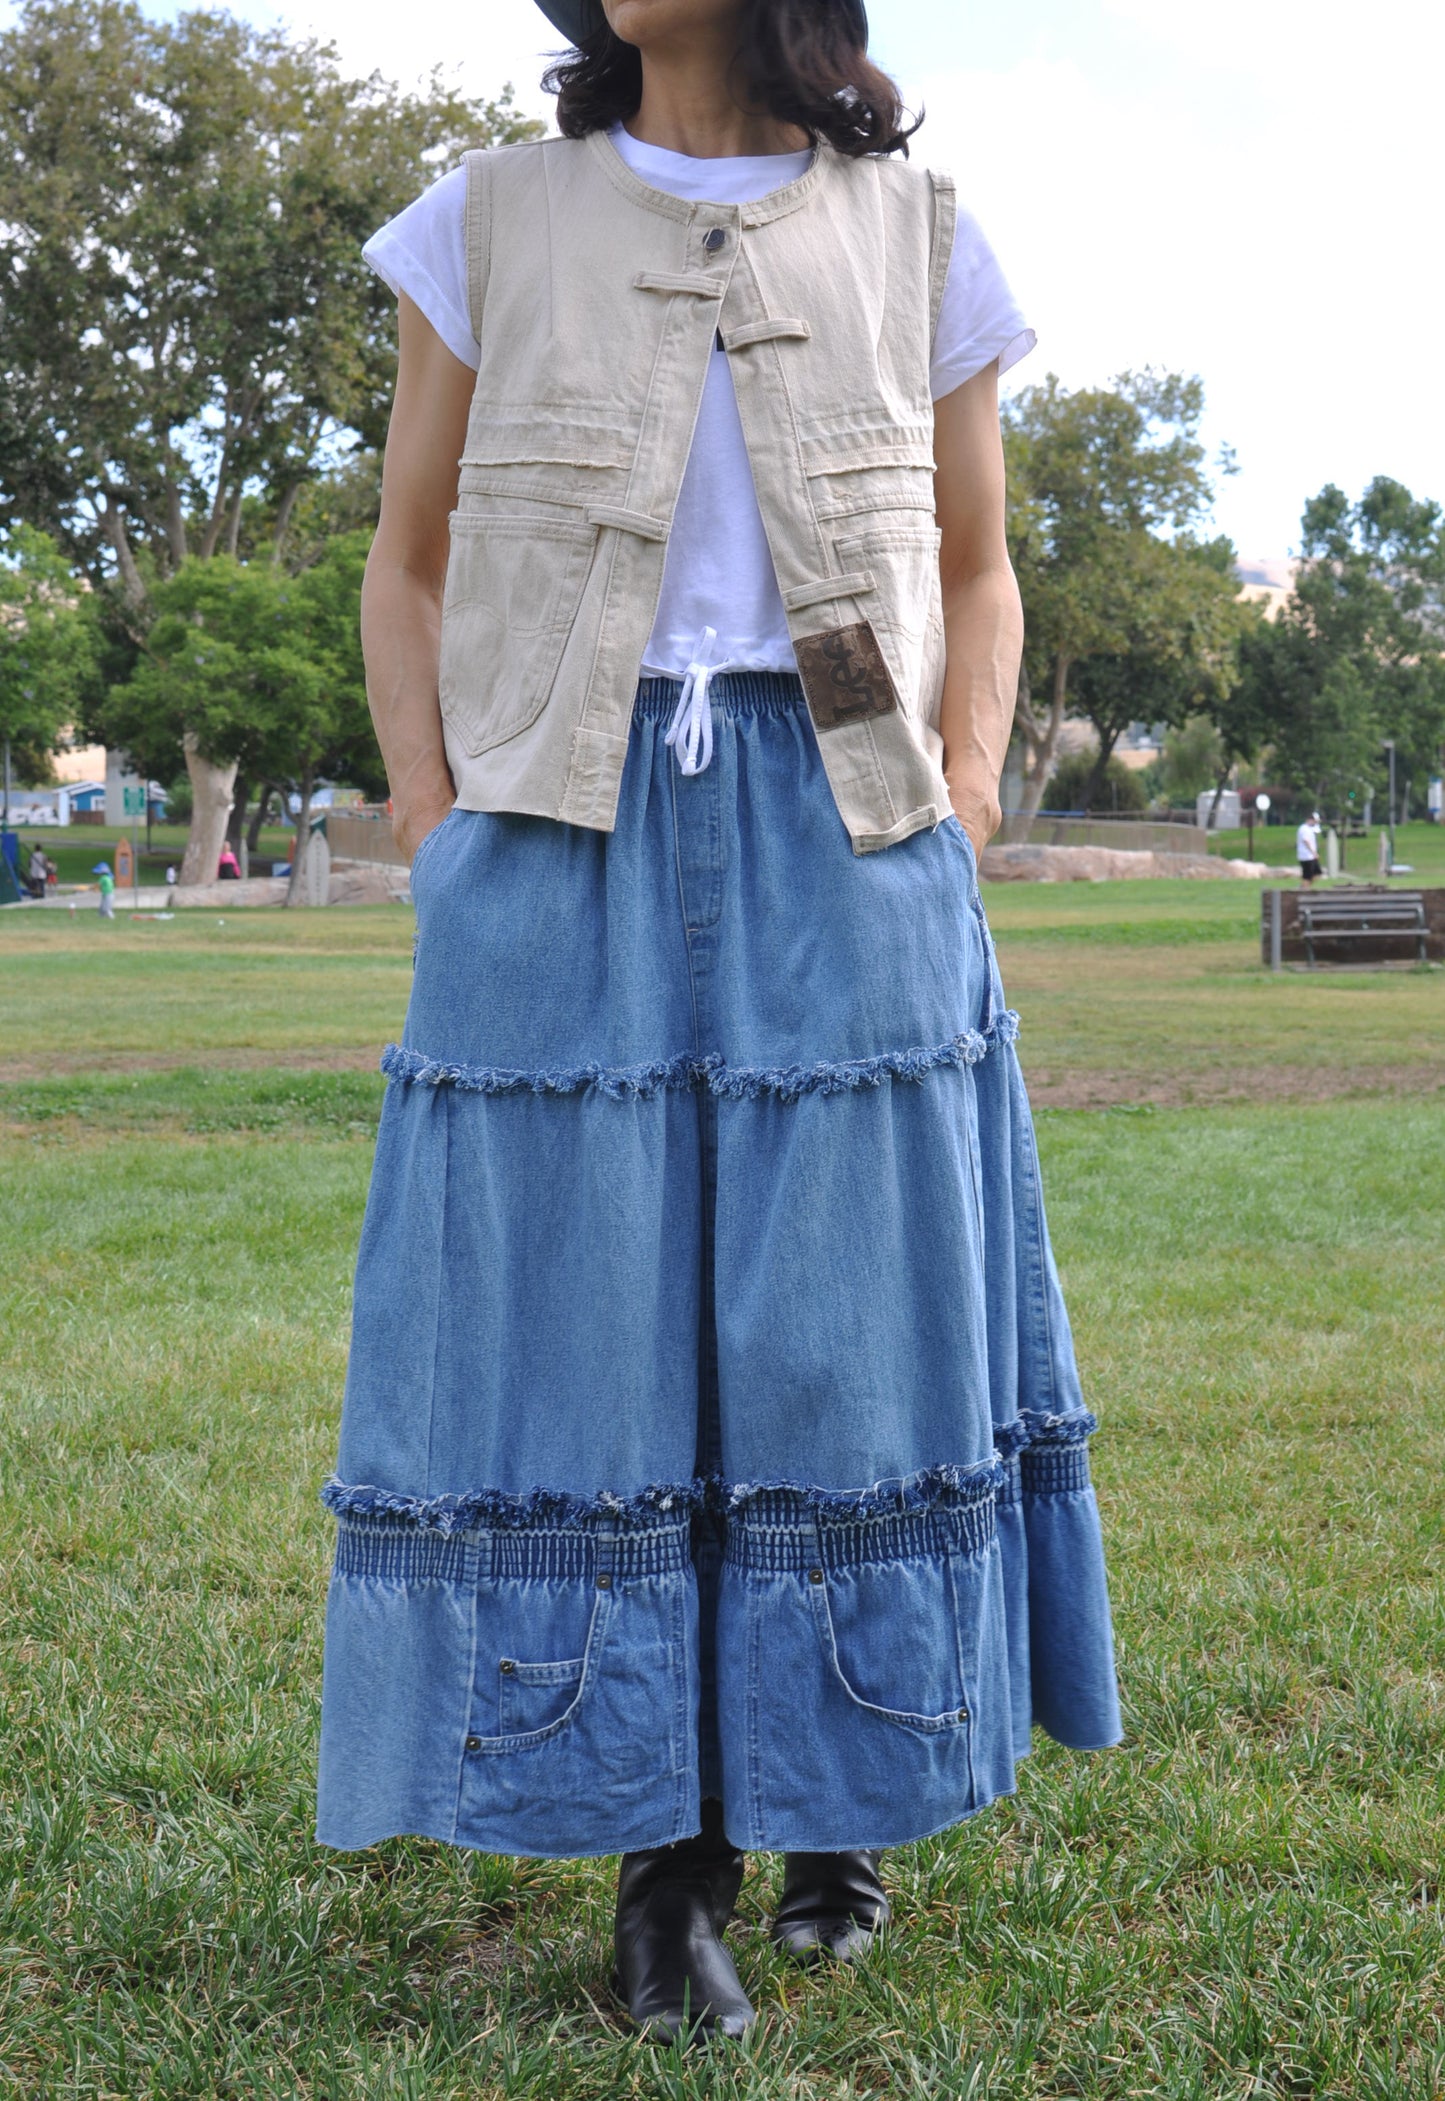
[732, 692]
[778, 1534]
[403, 1553]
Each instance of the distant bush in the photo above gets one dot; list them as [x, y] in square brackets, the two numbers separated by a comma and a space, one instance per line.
[1123, 789]
[1190, 761]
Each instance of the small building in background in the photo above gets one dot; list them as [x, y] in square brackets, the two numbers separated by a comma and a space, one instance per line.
[1227, 818]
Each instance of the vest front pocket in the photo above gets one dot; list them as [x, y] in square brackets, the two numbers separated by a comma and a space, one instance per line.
[512, 590]
[905, 606]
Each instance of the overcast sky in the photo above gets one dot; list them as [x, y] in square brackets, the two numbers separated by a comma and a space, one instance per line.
[1249, 189]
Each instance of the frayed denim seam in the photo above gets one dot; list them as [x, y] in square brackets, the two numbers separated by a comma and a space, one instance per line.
[737, 1083]
[1032, 1429]
[937, 1488]
[495, 1507]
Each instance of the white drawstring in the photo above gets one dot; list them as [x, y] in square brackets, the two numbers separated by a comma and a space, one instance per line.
[691, 723]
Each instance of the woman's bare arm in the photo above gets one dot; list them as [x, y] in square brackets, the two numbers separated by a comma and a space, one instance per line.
[401, 598]
[983, 620]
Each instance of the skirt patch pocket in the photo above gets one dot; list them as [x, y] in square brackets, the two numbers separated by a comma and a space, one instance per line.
[890, 1632]
[534, 1695]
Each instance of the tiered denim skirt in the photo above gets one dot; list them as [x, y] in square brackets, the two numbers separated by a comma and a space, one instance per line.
[712, 1425]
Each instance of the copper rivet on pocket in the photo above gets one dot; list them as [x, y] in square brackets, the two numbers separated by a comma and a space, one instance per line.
[474, 1743]
[963, 1714]
[815, 1575]
[604, 1581]
[507, 1666]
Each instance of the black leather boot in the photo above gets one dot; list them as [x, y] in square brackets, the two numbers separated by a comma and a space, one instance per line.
[832, 1904]
[673, 1973]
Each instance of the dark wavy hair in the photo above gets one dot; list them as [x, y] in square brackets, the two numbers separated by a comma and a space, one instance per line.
[804, 62]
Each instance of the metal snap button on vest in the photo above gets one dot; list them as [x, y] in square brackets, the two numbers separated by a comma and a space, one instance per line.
[815, 1575]
[507, 1666]
[604, 1581]
[474, 1743]
[714, 239]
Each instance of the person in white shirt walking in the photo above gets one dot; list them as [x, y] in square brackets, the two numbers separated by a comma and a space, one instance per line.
[1307, 849]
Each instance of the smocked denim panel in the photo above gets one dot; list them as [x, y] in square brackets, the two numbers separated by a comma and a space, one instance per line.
[712, 1423]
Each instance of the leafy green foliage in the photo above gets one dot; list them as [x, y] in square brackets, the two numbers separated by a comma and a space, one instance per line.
[1191, 759]
[1078, 775]
[262, 666]
[1358, 652]
[49, 644]
[186, 323]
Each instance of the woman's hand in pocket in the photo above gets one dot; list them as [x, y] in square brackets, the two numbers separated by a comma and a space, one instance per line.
[978, 813]
[411, 822]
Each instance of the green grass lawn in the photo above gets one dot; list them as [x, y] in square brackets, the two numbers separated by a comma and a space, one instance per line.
[1243, 1900]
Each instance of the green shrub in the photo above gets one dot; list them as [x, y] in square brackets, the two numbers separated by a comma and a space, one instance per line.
[1122, 789]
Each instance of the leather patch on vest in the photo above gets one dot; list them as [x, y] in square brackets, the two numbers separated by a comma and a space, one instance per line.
[844, 676]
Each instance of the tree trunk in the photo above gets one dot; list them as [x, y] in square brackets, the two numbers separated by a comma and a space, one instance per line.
[303, 836]
[1219, 788]
[211, 787]
[240, 804]
[258, 818]
[175, 520]
[1094, 784]
[1041, 735]
[283, 518]
[112, 524]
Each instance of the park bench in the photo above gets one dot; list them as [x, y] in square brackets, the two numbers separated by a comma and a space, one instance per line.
[1364, 915]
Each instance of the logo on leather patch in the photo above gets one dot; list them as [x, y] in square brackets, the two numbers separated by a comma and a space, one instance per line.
[844, 676]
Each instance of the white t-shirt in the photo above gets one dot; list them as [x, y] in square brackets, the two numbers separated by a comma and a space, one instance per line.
[1307, 843]
[718, 571]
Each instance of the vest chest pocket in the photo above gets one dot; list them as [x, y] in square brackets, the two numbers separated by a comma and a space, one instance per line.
[512, 591]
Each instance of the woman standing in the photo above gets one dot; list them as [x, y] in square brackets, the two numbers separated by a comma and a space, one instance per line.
[713, 1466]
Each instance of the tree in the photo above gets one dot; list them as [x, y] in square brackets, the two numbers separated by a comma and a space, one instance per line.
[49, 647]
[258, 669]
[1183, 649]
[1101, 481]
[1191, 760]
[1358, 652]
[188, 336]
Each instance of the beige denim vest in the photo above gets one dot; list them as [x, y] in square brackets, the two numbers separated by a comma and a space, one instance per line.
[597, 301]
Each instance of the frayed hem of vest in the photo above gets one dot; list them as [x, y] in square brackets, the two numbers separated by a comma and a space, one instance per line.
[731, 1083]
[935, 1488]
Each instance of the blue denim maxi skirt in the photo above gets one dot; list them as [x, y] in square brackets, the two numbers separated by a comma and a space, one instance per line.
[712, 1425]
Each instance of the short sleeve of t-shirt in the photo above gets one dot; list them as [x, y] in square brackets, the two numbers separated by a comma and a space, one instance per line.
[978, 317]
[422, 252]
